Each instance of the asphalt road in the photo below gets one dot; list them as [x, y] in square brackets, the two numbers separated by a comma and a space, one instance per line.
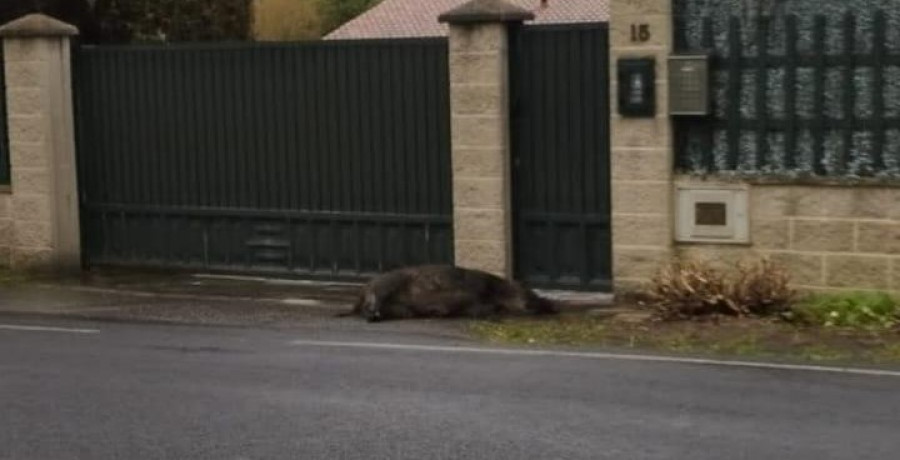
[117, 391]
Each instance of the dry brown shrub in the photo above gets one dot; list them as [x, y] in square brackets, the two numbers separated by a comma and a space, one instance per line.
[763, 287]
[693, 289]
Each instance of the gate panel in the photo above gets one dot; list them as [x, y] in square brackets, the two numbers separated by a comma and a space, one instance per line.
[4, 137]
[561, 174]
[319, 160]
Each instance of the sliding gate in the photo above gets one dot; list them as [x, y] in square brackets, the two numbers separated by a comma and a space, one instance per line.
[319, 160]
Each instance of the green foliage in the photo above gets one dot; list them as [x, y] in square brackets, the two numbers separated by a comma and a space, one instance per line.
[173, 20]
[564, 330]
[757, 338]
[337, 12]
[123, 21]
[864, 310]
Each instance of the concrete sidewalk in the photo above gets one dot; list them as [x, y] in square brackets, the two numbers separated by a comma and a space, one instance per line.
[177, 298]
[197, 299]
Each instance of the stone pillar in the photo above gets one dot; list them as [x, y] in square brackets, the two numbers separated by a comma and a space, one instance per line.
[43, 201]
[642, 148]
[479, 93]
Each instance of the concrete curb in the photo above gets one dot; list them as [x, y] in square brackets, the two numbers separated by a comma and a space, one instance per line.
[162, 303]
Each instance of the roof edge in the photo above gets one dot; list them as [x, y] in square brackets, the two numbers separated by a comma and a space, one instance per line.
[481, 11]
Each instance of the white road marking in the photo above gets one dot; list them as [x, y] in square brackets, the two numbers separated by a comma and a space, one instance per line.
[599, 356]
[12, 327]
[76, 310]
[282, 281]
[303, 302]
[202, 297]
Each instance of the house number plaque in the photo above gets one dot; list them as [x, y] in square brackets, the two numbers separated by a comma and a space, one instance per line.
[640, 33]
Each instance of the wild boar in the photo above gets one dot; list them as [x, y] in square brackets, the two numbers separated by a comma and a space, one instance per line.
[437, 291]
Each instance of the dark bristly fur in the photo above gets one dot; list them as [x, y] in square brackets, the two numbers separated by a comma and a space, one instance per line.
[444, 291]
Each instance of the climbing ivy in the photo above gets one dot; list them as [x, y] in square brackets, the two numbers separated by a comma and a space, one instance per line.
[142, 20]
[173, 20]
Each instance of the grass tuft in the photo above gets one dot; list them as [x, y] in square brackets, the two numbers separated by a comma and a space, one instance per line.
[749, 337]
[856, 310]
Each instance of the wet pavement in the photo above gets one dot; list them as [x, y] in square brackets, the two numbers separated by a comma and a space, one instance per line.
[89, 390]
[199, 299]
[207, 300]
[177, 298]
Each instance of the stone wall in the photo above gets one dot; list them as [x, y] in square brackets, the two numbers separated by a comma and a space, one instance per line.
[31, 202]
[641, 153]
[479, 102]
[6, 232]
[828, 236]
[480, 152]
[39, 211]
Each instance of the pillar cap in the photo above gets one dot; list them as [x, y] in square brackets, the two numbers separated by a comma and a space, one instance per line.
[481, 11]
[37, 25]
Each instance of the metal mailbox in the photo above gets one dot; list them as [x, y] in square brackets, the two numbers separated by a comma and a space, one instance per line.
[637, 87]
[689, 85]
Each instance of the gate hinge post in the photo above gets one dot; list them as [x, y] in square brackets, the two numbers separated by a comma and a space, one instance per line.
[481, 141]
[37, 66]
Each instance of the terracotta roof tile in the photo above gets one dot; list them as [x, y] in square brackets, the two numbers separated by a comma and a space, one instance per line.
[418, 18]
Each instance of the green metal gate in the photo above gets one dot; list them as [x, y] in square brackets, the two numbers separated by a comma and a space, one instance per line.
[4, 138]
[561, 177]
[326, 160]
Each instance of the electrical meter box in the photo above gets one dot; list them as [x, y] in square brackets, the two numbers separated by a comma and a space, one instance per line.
[689, 85]
[712, 214]
[637, 87]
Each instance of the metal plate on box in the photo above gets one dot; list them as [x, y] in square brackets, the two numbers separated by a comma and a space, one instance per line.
[716, 214]
[689, 85]
[711, 214]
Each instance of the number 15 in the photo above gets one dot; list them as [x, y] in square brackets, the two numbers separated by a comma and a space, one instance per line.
[640, 32]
